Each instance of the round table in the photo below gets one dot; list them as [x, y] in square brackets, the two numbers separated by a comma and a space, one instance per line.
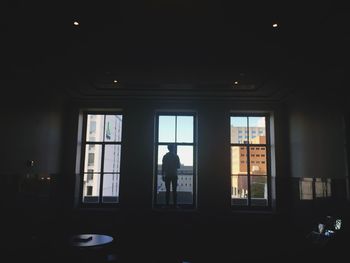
[90, 240]
[90, 248]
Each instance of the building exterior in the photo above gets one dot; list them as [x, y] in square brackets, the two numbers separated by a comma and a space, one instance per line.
[240, 134]
[257, 163]
[102, 128]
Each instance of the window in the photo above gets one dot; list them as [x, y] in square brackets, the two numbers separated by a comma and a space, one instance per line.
[90, 175]
[89, 191]
[92, 127]
[250, 172]
[101, 158]
[91, 159]
[178, 129]
[313, 188]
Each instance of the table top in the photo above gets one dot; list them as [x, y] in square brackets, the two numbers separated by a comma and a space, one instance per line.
[90, 240]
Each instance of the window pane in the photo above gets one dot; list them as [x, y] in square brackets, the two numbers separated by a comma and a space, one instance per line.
[257, 130]
[238, 160]
[93, 157]
[162, 150]
[258, 190]
[239, 129]
[305, 189]
[185, 154]
[185, 175]
[258, 161]
[94, 129]
[329, 184]
[110, 191]
[91, 188]
[320, 188]
[160, 189]
[166, 129]
[113, 128]
[184, 129]
[239, 190]
[112, 158]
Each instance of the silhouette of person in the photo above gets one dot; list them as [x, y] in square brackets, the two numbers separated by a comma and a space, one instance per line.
[170, 164]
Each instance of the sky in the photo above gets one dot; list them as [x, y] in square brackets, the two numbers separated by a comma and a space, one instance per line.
[253, 121]
[184, 133]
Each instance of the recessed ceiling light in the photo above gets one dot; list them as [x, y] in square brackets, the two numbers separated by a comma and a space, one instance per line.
[275, 25]
[115, 81]
[236, 82]
[76, 23]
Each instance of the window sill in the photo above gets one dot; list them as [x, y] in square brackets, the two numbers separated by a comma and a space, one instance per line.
[254, 212]
[97, 209]
[174, 210]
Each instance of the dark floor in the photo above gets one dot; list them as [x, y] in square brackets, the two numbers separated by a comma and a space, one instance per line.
[184, 241]
[171, 236]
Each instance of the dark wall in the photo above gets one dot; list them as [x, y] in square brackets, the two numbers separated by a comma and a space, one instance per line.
[317, 140]
[32, 129]
[31, 133]
[31, 110]
[317, 147]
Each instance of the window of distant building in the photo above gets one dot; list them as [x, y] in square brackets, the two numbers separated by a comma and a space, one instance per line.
[90, 174]
[250, 170]
[101, 151]
[180, 130]
[89, 190]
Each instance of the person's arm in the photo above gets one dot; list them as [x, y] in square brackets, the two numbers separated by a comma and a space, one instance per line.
[178, 162]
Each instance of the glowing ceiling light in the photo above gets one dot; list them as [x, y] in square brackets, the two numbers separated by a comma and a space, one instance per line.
[76, 23]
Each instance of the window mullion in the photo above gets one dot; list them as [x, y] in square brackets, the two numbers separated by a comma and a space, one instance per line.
[82, 160]
[102, 172]
[248, 165]
[248, 175]
[157, 144]
[102, 159]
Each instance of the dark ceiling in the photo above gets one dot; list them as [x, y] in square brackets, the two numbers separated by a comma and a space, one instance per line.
[168, 38]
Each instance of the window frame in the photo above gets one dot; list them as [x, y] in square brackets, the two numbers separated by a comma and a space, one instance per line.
[194, 144]
[248, 146]
[101, 173]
